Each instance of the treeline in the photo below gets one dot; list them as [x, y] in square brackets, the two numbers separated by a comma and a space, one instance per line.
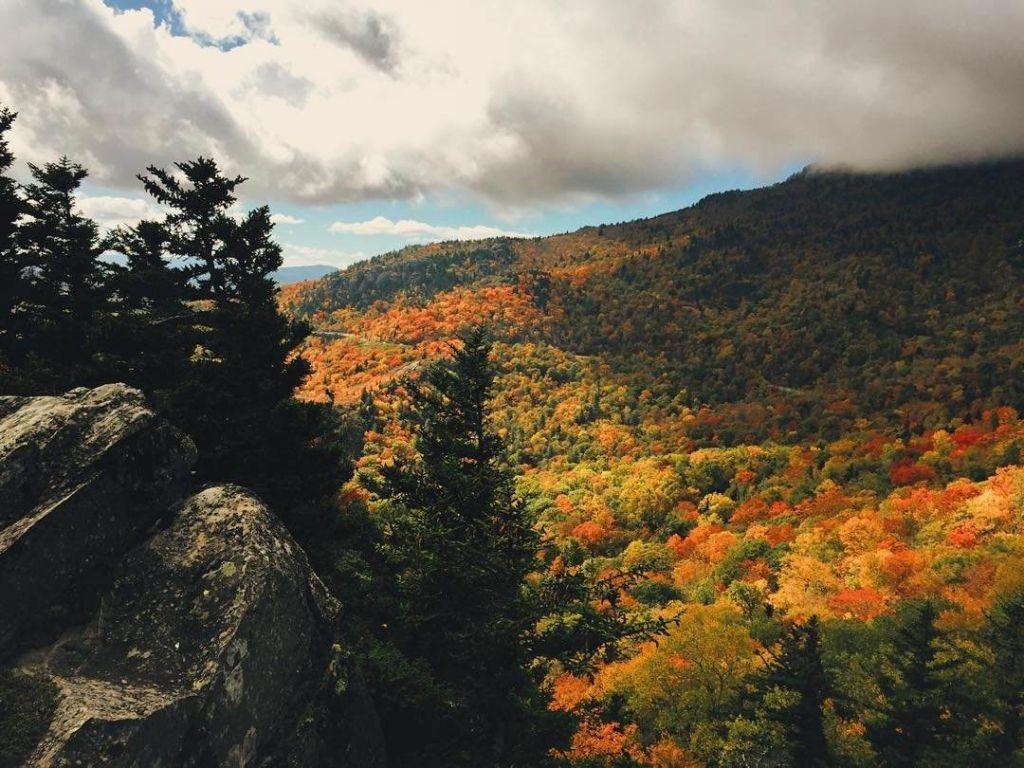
[826, 287]
[418, 272]
[187, 314]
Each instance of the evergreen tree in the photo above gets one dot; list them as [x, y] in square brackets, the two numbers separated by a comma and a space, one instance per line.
[199, 228]
[11, 205]
[151, 338]
[205, 341]
[463, 544]
[797, 669]
[1004, 684]
[915, 722]
[66, 296]
[13, 286]
[585, 621]
[146, 282]
[236, 397]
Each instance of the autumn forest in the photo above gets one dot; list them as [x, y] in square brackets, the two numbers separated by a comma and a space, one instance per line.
[738, 485]
[781, 428]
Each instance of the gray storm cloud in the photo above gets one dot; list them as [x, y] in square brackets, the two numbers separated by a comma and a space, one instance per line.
[552, 103]
[82, 90]
[369, 35]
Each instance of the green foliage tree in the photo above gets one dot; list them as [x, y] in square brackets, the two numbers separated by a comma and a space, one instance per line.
[760, 740]
[146, 282]
[1004, 679]
[463, 544]
[150, 344]
[199, 228]
[236, 397]
[694, 680]
[584, 622]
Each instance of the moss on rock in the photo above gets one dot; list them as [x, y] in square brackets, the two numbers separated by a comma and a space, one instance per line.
[27, 704]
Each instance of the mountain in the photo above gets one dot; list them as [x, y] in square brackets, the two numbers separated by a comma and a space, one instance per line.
[860, 295]
[786, 421]
[288, 275]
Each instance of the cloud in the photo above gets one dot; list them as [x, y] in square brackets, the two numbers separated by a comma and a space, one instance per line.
[110, 212]
[554, 103]
[418, 230]
[295, 255]
[225, 25]
[275, 81]
[285, 219]
[370, 35]
[104, 94]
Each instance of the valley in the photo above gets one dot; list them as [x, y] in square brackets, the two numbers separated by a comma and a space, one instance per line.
[793, 402]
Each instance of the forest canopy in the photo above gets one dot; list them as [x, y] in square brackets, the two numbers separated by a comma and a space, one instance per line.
[783, 422]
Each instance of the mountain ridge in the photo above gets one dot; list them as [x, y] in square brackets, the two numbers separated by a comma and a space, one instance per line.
[826, 284]
[296, 274]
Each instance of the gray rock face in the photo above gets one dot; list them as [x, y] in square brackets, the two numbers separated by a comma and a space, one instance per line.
[212, 644]
[82, 477]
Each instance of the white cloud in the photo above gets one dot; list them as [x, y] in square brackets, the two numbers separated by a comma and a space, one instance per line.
[283, 219]
[519, 105]
[213, 19]
[419, 230]
[295, 255]
[110, 212]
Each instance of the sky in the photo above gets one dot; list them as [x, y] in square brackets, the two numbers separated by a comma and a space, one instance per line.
[367, 126]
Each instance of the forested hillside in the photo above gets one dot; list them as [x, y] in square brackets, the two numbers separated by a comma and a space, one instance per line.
[784, 423]
[892, 296]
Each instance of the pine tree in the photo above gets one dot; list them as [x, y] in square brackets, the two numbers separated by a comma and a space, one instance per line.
[797, 669]
[464, 544]
[66, 293]
[13, 286]
[236, 397]
[199, 228]
[1004, 684]
[11, 205]
[915, 723]
[150, 337]
[146, 282]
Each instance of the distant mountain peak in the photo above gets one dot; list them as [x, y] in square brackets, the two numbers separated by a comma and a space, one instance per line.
[287, 275]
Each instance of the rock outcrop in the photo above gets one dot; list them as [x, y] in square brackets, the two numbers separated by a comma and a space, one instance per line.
[83, 476]
[207, 639]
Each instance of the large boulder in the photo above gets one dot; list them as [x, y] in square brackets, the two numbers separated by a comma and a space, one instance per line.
[83, 477]
[205, 639]
[208, 651]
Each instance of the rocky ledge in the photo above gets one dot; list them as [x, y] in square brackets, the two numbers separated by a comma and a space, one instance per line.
[146, 627]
